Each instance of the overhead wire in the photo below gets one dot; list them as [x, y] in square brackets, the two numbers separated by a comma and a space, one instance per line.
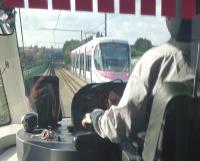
[102, 23]
[56, 27]
[58, 19]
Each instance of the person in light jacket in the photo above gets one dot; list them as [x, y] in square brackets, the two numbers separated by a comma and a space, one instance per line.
[171, 61]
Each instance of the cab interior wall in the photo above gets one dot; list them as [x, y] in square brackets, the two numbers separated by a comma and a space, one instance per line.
[12, 77]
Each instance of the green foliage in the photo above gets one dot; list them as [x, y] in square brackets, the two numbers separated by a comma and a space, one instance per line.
[67, 48]
[42, 56]
[140, 47]
[32, 56]
[38, 70]
[67, 60]
[142, 44]
[136, 53]
[21, 53]
[99, 34]
[70, 45]
[88, 39]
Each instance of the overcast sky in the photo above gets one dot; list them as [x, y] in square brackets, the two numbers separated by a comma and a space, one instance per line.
[124, 26]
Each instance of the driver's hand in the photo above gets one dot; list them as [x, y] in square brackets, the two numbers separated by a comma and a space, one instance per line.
[86, 120]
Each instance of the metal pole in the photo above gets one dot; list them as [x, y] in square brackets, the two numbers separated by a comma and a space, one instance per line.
[81, 35]
[105, 25]
[196, 73]
[22, 35]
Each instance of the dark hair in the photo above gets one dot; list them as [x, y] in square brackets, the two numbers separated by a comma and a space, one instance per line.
[118, 90]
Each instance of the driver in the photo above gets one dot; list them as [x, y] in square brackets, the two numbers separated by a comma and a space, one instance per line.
[168, 62]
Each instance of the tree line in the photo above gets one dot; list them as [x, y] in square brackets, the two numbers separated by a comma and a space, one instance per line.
[140, 47]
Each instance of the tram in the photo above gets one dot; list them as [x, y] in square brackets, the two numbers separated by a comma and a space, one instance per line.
[102, 60]
[173, 132]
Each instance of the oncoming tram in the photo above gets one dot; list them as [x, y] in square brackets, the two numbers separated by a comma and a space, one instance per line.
[102, 60]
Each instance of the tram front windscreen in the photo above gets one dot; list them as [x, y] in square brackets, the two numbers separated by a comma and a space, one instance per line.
[115, 57]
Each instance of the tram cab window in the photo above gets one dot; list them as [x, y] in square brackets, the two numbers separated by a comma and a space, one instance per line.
[115, 56]
[98, 62]
[73, 62]
[81, 60]
[78, 61]
[88, 62]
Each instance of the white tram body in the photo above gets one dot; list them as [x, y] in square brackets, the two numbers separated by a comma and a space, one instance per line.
[102, 60]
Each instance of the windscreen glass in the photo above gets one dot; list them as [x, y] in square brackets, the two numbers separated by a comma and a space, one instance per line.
[55, 43]
[115, 56]
[4, 110]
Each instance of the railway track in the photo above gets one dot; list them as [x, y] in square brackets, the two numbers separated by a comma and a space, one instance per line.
[50, 70]
[71, 81]
[73, 84]
[69, 85]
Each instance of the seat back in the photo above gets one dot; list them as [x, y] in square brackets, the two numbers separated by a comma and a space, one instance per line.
[43, 93]
[173, 132]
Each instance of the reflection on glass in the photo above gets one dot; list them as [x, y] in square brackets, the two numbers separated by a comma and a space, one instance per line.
[4, 110]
